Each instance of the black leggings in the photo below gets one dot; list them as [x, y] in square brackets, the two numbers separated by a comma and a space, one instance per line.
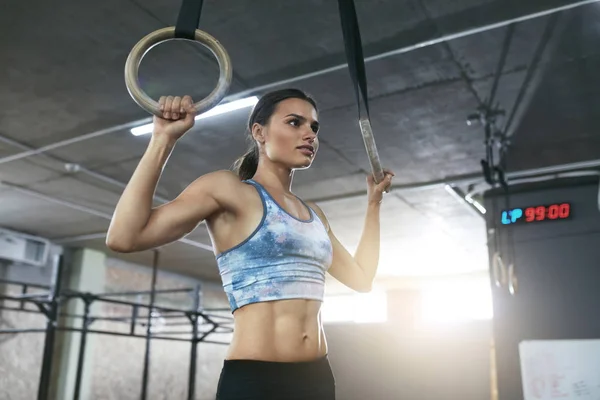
[264, 380]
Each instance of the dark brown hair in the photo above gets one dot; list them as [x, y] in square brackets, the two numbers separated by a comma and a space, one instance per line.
[245, 166]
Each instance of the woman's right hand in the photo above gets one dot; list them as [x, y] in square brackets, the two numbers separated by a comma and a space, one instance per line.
[177, 117]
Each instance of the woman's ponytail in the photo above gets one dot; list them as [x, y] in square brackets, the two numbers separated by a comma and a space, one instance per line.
[245, 166]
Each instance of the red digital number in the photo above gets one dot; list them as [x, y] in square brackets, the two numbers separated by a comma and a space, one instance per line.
[564, 210]
[530, 214]
[553, 212]
[540, 213]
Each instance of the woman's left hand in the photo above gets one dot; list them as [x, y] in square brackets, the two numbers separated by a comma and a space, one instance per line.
[375, 190]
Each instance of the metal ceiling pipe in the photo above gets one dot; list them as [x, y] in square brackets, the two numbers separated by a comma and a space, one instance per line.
[467, 179]
[554, 169]
[102, 235]
[78, 168]
[298, 78]
[76, 139]
[54, 200]
[85, 209]
[75, 167]
[79, 238]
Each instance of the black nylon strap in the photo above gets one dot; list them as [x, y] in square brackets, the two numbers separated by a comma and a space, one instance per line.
[354, 54]
[188, 19]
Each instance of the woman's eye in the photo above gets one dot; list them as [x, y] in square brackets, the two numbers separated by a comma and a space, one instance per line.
[295, 122]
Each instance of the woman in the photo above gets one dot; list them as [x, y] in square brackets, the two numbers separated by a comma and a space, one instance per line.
[272, 248]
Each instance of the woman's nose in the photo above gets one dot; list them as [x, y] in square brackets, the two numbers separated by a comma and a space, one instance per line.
[310, 135]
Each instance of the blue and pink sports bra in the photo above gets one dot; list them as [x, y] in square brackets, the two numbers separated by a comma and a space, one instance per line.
[284, 258]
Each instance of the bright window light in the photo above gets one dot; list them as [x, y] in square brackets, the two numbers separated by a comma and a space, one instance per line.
[359, 308]
[457, 301]
[220, 109]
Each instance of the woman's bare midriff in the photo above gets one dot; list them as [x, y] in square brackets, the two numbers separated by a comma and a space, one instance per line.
[282, 331]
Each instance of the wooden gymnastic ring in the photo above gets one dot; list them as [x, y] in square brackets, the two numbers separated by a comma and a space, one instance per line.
[162, 35]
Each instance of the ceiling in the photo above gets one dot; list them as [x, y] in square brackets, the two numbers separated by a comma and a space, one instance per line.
[62, 78]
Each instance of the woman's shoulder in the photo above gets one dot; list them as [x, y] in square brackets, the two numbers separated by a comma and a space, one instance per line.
[222, 183]
[223, 177]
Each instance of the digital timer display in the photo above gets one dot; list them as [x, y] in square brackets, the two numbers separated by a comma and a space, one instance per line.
[534, 214]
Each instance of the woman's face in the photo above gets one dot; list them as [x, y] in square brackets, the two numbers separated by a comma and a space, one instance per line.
[290, 137]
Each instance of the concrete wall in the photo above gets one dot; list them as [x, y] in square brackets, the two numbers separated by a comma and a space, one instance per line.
[392, 361]
[118, 361]
[20, 354]
[118, 367]
[408, 358]
[123, 276]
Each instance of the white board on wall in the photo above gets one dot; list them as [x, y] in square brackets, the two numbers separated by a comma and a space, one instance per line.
[560, 369]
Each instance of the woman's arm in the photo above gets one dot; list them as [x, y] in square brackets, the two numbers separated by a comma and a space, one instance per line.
[367, 252]
[135, 225]
[358, 272]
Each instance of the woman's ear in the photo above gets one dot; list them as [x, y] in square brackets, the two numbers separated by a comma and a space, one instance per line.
[258, 132]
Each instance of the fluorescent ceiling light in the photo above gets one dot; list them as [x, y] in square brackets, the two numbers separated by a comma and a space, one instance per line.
[220, 109]
[468, 198]
[476, 204]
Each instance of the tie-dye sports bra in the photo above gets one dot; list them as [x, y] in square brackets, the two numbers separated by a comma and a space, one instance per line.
[284, 258]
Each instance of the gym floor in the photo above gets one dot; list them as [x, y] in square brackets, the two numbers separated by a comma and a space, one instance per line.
[443, 96]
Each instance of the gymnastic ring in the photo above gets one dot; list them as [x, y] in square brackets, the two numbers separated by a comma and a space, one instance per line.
[162, 35]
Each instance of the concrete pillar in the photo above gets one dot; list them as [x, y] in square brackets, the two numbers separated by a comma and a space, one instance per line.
[85, 272]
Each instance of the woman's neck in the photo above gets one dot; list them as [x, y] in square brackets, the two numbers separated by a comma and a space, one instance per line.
[275, 177]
